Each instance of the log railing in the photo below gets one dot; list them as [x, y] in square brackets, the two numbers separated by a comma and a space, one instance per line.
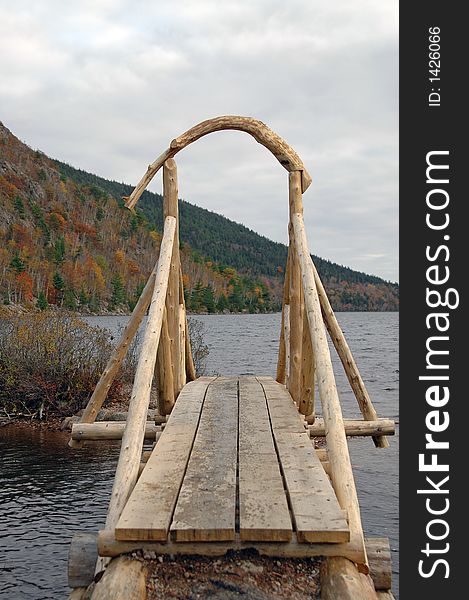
[304, 359]
[296, 364]
[174, 361]
[134, 432]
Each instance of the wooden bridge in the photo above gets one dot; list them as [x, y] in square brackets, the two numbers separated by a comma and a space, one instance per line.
[233, 463]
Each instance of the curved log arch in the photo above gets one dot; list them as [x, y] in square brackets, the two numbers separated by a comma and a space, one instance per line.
[284, 153]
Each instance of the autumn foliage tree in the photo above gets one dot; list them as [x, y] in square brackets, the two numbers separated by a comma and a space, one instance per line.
[70, 234]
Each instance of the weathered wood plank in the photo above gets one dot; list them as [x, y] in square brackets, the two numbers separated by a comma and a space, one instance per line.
[109, 546]
[263, 507]
[149, 510]
[316, 512]
[205, 510]
[282, 409]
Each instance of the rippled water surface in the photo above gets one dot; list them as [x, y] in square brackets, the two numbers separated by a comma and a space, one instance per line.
[48, 491]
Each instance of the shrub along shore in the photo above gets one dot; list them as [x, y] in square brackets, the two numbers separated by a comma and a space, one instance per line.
[51, 361]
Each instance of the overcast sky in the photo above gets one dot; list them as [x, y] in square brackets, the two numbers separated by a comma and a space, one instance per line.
[106, 84]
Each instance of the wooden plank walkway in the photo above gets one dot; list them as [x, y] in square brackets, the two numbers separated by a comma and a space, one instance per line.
[206, 506]
[149, 510]
[263, 506]
[315, 509]
[233, 462]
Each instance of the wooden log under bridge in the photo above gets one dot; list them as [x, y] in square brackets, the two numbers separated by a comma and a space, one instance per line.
[233, 463]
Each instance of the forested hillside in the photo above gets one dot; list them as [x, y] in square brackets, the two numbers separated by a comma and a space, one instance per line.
[68, 240]
[70, 243]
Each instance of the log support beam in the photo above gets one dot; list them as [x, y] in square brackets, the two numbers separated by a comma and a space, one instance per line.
[123, 579]
[356, 428]
[345, 354]
[108, 430]
[134, 432]
[341, 468]
[340, 578]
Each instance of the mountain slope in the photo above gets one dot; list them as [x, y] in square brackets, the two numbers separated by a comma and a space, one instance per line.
[69, 243]
[67, 238]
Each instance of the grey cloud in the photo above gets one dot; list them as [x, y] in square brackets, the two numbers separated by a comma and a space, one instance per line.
[106, 85]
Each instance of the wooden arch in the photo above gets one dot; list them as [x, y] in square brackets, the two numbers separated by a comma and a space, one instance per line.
[284, 153]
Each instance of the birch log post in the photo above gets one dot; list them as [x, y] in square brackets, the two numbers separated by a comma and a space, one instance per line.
[282, 349]
[286, 335]
[296, 293]
[284, 153]
[170, 208]
[124, 579]
[191, 375]
[102, 388]
[190, 367]
[306, 406]
[132, 440]
[342, 476]
[182, 345]
[345, 354]
[340, 580]
[164, 370]
[282, 353]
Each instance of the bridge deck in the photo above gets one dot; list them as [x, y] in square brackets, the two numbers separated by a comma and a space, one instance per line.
[234, 462]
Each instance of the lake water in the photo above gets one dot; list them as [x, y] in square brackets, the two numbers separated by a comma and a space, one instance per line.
[48, 491]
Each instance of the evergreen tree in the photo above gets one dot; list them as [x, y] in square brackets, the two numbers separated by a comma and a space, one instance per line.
[133, 223]
[187, 299]
[208, 299]
[17, 264]
[82, 298]
[118, 291]
[94, 303]
[19, 206]
[235, 299]
[139, 290]
[59, 250]
[222, 303]
[58, 282]
[59, 285]
[42, 303]
[131, 302]
[70, 301]
[196, 296]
